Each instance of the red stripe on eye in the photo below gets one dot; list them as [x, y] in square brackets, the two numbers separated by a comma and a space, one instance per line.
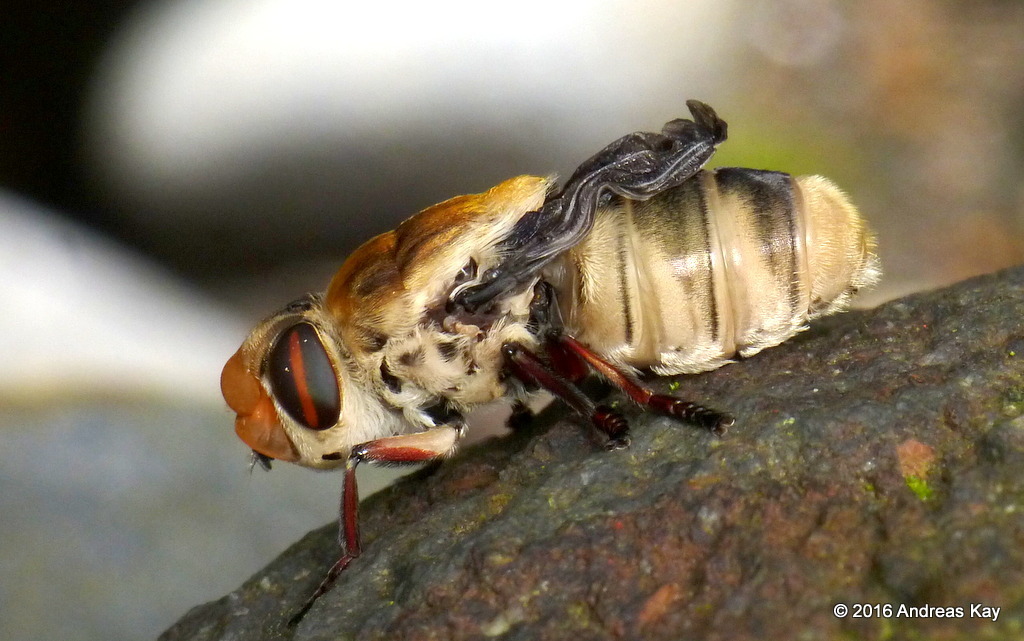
[301, 382]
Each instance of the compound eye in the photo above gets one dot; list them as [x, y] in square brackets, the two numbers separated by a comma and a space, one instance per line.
[302, 378]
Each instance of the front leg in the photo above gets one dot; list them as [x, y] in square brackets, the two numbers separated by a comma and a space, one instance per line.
[637, 166]
[432, 444]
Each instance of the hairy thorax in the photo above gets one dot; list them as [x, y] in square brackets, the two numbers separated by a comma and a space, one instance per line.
[454, 361]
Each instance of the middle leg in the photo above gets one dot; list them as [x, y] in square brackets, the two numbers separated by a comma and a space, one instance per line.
[527, 367]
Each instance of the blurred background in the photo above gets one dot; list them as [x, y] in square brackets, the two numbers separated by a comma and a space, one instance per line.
[172, 170]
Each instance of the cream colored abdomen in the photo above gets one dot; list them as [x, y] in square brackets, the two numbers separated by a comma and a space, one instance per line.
[717, 266]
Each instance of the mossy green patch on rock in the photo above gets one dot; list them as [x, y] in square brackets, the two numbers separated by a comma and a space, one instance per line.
[919, 487]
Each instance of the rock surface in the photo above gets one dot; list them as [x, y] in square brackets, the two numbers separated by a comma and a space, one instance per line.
[878, 458]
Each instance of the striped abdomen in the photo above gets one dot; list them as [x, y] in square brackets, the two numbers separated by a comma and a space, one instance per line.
[732, 261]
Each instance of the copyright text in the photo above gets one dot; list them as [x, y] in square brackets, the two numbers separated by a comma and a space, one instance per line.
[903, 611]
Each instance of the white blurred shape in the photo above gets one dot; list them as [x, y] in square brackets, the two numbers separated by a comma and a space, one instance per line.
[197, 89]
[81, 316]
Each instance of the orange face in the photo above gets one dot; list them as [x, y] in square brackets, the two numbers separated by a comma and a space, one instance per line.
[257, 423]
[300, 381]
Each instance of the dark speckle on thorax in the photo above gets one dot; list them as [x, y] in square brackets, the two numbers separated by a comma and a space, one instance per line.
[410, 359]
[447, 350]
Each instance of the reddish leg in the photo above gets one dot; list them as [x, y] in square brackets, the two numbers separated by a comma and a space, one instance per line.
[713, 420]
[409, 448]
[527, 367]
[348, 534]
[544, 313]
[566, 362]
